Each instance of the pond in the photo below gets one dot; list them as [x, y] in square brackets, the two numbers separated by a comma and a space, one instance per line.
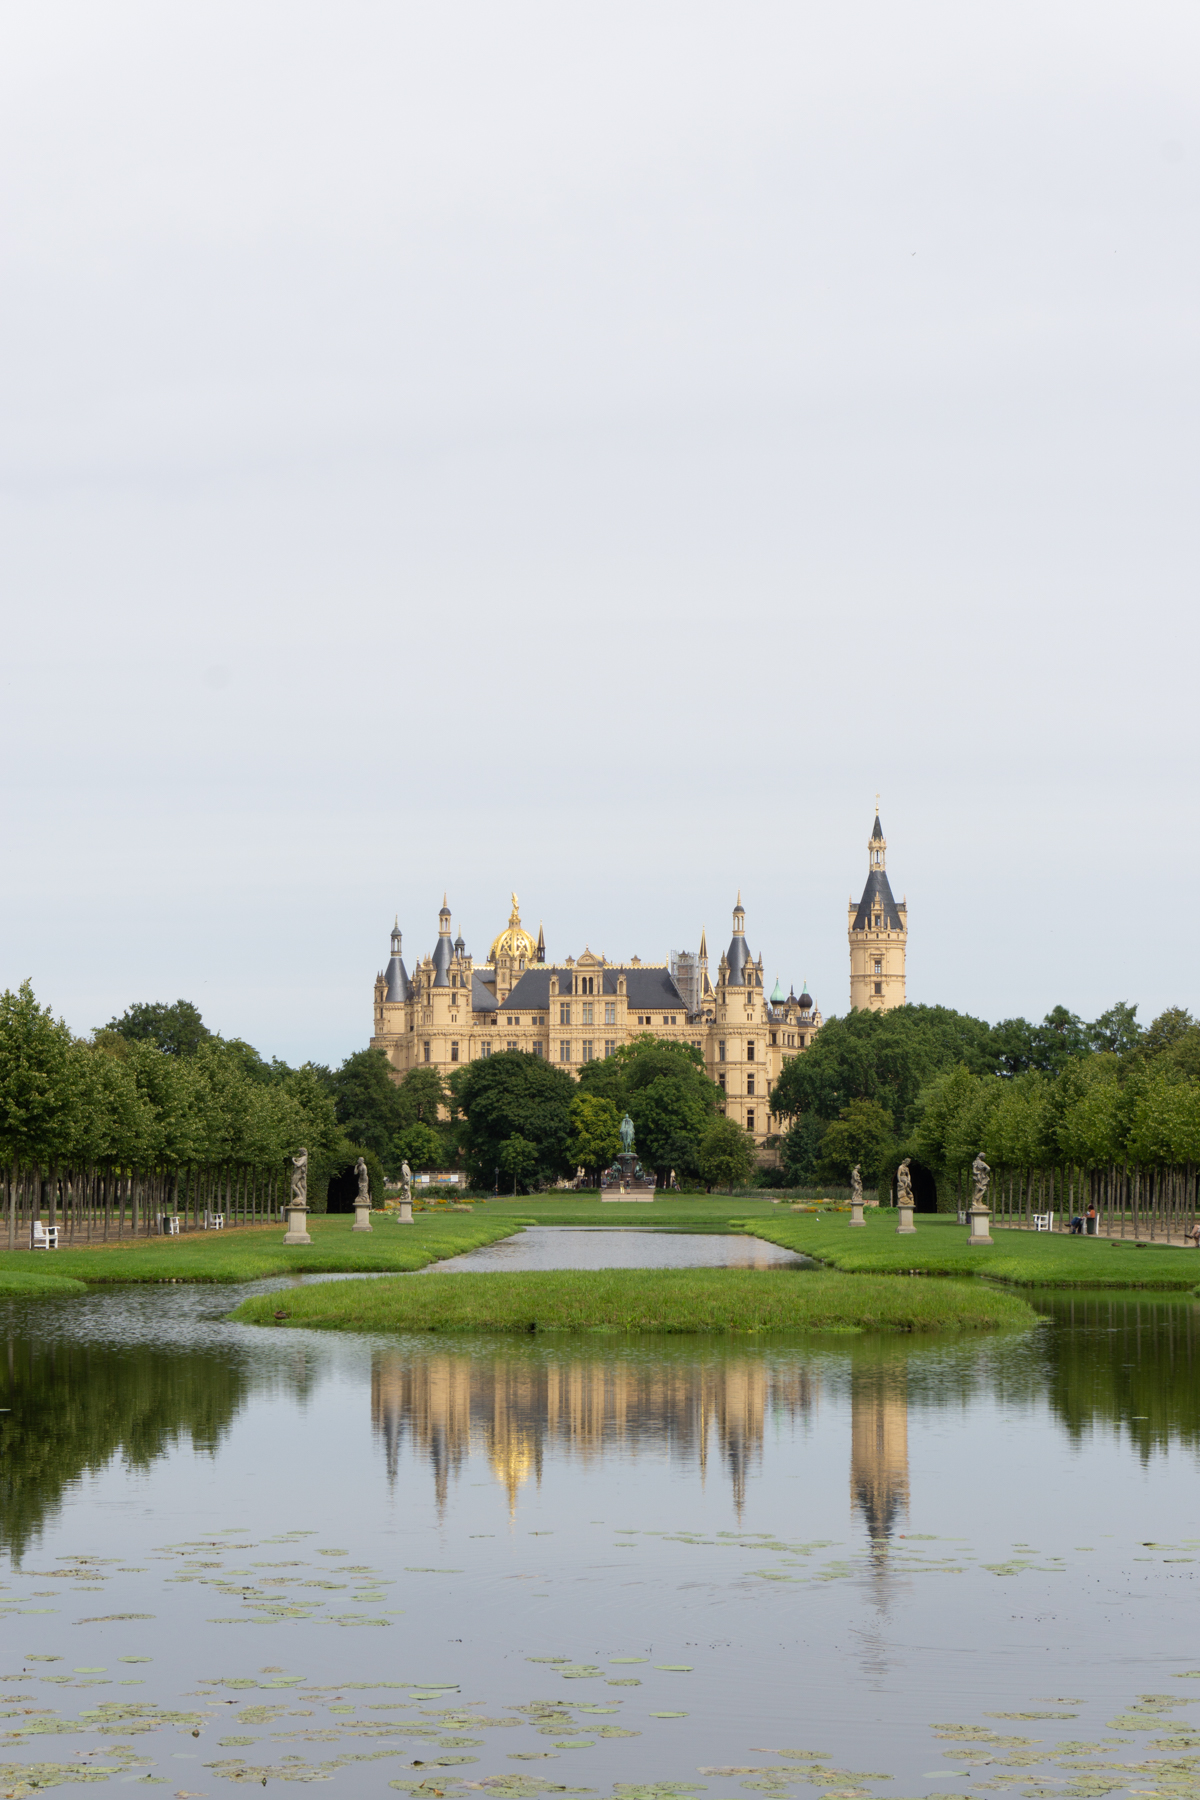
[621, 1247]
[655, 1567]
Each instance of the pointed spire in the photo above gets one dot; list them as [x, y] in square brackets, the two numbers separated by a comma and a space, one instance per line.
[540, 954]
[703, 946]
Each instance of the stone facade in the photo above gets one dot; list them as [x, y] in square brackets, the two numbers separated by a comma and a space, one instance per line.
[453, 1009]
[878, 933]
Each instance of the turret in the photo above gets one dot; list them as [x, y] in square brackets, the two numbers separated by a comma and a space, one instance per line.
[737, 955]
[395, 979]
[443, 954]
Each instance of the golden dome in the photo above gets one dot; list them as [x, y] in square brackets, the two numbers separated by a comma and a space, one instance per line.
[514, 941]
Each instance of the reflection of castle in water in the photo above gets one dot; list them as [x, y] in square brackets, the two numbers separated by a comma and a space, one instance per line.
[879, 1446]
[444, 1404]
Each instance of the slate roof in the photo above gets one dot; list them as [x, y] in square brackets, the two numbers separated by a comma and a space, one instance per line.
[443, 956]
[878, 831]
[482, 997]
[737, 956]
[397, 980]
[646, 990]
[877, 897]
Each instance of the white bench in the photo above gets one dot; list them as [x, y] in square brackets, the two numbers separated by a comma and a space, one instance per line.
[170, 1224]
[43, 1237]
[214, 1221]
[1043, 1221]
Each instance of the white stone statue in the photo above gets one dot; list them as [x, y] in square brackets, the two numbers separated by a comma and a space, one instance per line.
[856, 1186]
[904, 1193]
[298, 1204]
[983, 1176]
[364, 1179]
[405, 1182]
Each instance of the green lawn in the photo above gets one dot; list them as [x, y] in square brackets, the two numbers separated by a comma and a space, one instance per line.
[683, 1212]
[249, 1253]
[642, 1300]
[33, 1281]
[1032, 1259]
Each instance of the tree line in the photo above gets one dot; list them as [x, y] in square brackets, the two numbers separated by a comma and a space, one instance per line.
[156, 1095]
[517, 1120]
[150, 1101]
[940, 1086]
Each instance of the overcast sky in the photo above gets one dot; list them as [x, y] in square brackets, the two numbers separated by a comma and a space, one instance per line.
[591, 450]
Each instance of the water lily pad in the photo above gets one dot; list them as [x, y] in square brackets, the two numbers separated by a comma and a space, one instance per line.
[675, 1668]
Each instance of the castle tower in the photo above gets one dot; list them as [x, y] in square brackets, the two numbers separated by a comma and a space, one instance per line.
[878, 934]
[443, 954]
[396, 978]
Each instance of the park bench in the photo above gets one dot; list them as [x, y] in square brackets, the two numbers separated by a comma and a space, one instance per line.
[1043, 1221]
[169, 1224]
[214, 1221]
[43, 1237]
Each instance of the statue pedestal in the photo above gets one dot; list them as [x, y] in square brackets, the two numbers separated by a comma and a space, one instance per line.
[856, 1213]
[906, 1225]
[362, 1215]
[627, 1180]
[406, 1217]
[978, 1217]
[296, 1234]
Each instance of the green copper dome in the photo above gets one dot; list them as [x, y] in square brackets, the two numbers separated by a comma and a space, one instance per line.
[777, 995]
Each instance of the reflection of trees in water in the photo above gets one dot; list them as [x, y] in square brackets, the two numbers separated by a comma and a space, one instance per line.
[76, 1406]
[1123, 1359]
[582, 1406]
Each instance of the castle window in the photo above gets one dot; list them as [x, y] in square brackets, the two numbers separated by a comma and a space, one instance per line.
[721, 1078]
[801, 1040]
[454, 1053]
[750, 1051]
[879, 965]
[427, 1050]
[669, 1021]
[750, 1120]
[721, 1051]
[454, 981]
[587, 1019]
[610, 1012]
[749, 1084]
[877, 921]
[564, 1015]
[610, 1047]
[485, 1048]
[774, 1037]
[564, 1051]
[586, 1051]
[512, 1044]
[537, 1048]
[879, 987]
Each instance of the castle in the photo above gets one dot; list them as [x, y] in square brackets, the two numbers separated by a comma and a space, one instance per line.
[452, 1009]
